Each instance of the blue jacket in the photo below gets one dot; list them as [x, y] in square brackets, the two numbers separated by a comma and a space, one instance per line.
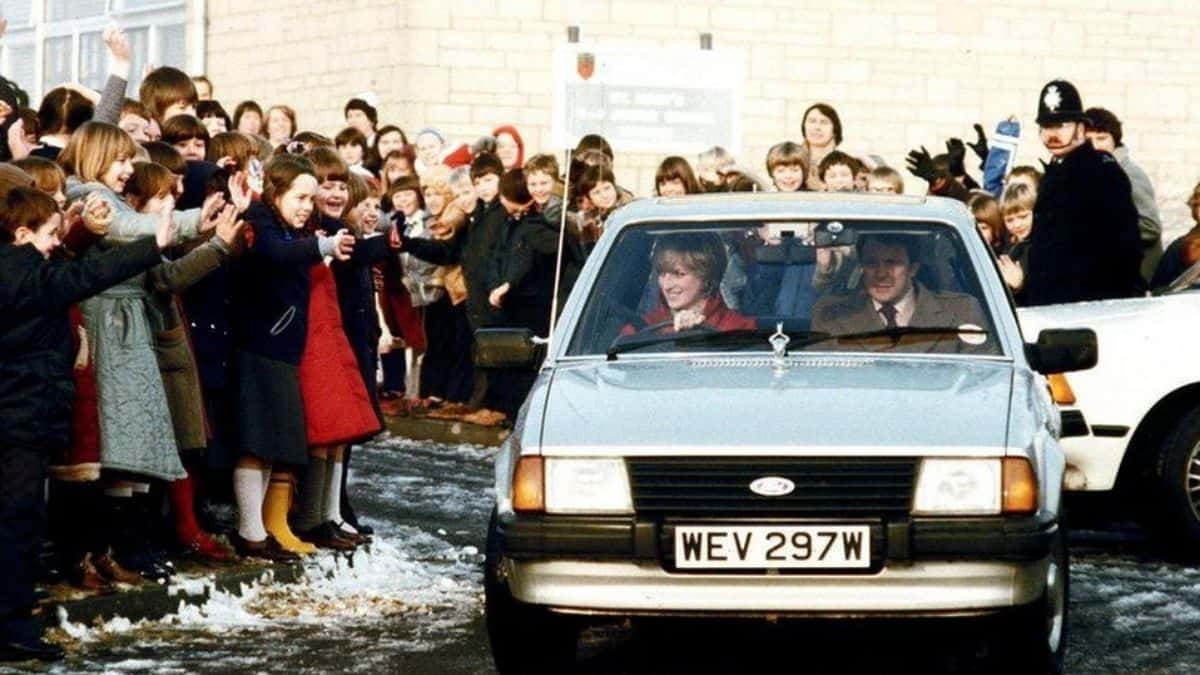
[270, 286]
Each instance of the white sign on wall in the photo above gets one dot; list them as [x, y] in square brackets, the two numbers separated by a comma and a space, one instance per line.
[665, 100]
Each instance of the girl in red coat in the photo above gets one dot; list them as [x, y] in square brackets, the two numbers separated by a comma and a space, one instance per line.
[337, 408]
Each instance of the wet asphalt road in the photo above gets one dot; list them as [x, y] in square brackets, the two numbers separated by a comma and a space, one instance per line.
[413, 604]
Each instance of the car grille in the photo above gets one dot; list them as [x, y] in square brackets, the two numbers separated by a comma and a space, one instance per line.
[825, 487]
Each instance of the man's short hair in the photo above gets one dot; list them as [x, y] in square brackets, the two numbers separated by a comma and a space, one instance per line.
[1103, 120]
[910, 244]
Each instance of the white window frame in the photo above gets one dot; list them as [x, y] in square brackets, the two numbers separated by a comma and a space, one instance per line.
[186, 13]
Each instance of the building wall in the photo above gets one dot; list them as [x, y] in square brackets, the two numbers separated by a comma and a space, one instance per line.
[901, 73]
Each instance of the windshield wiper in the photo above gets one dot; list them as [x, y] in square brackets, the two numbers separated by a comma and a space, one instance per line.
[706, 336]
[895, 333]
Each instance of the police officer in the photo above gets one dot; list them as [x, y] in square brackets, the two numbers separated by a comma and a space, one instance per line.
[1085, 243]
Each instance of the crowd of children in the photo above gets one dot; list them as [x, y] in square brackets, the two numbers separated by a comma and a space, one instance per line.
[198, 308]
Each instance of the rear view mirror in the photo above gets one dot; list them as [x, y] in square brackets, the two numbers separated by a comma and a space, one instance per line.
[1063, 350]
[834, 233]
[512, 348]
[789, 251]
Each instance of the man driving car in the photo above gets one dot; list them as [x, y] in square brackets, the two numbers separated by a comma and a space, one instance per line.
[891, 305]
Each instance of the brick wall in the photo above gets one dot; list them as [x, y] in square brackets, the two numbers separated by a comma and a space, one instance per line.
[900, 72]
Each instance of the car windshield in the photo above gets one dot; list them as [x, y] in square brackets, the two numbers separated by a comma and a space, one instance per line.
[827, 286]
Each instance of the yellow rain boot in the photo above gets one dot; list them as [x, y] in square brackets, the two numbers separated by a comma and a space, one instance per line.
[275, 510]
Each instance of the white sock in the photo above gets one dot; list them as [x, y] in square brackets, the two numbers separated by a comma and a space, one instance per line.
[249, 491]
[333, 491]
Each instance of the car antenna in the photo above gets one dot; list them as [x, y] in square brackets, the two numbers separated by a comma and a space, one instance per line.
[562, 230]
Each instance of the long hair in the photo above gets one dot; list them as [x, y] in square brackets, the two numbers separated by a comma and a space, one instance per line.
[93, 148]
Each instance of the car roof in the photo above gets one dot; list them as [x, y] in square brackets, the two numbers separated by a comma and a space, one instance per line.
[791, 205]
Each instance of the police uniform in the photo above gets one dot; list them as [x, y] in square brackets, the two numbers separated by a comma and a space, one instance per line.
[1085, 243]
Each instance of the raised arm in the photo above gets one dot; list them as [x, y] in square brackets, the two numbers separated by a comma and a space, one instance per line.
[56, 286]
[108, 109]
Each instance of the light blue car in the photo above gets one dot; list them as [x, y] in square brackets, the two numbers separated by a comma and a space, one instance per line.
[776, 405]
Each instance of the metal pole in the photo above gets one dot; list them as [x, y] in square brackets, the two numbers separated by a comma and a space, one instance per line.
[562, 232]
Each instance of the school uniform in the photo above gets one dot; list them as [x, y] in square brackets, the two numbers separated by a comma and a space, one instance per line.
[269, 318]
[36, 391]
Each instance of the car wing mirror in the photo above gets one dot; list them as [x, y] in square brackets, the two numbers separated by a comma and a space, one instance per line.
[1063, 350]
[512, 348]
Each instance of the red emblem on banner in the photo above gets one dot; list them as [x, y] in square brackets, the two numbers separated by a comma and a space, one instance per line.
[585, 64]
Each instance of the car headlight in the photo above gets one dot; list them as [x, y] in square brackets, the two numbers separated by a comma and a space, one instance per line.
[958, 487]
[587, 485]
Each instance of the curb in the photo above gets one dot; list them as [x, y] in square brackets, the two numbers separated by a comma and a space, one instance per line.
[151, 601]
[445, 431]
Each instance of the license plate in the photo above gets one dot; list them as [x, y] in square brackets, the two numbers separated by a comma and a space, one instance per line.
[772, 546]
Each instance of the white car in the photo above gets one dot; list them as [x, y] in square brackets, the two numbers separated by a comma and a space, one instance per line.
[1131, 425]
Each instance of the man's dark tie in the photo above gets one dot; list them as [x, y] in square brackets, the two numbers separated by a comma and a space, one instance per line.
[888, 311]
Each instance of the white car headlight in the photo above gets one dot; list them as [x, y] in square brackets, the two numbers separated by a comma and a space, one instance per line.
[586, 485]
[958, 487]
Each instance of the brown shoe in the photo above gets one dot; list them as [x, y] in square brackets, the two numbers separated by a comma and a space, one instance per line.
[357, 537]
[267, 549]
[85, 576]
[327, 535]
[109, 569]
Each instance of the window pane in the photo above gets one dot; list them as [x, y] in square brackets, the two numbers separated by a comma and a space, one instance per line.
[139, 4]
[60, 10]
[91, 60]
[20, 65]
[139, 43]
[56, 59]
[18, 12]
[171, 41]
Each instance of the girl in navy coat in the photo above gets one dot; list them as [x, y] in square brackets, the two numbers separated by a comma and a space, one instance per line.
[269, 318]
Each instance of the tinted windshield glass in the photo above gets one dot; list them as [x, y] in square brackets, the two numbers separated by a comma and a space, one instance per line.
[834, 286]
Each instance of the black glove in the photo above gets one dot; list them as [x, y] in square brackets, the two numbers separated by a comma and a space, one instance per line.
[956, 152]
[920, 164]
[980, 146]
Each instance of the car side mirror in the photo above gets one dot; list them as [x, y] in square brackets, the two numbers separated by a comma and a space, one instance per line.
[1063, 350]
[513, 348]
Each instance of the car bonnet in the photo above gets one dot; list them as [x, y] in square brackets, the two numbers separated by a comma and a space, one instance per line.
[834, 405]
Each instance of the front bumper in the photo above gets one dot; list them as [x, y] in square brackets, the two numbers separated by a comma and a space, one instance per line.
[648, 541]
[928, 567]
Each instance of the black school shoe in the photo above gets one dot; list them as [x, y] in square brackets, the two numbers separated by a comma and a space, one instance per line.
[20, 640]
[267, 549]
[145, 562]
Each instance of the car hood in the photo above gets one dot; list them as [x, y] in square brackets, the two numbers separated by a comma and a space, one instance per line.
[835, 405]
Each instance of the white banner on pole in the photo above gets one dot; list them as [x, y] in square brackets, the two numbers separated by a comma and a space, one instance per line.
[662, 100]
